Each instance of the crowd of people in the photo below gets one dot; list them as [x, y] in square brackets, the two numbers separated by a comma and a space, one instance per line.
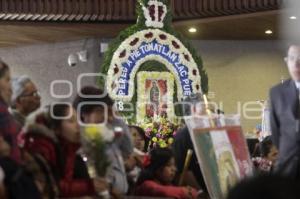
[40, 156]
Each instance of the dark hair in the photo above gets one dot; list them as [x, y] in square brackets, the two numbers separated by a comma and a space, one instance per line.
[90, 90]
[193, 99]
[265, 146]
[265, 186]
[3, 68]
[7, 137]
[141, 132]
[58, 111]
[159, 158]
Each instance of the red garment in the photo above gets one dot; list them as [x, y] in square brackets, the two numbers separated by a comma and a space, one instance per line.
[154, 189]
[9, 131]
[69, 186]
[45, 146]
[262, 164]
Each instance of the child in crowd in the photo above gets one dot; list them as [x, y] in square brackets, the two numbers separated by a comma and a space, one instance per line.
[134, 163]
[121, 146]
[56, 140]
[268, 156]
[140, 140]
[156, 178]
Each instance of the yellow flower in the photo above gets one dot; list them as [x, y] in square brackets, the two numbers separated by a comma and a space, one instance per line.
[154, 139]
[163, 145]
[170, 140]
[92, 132]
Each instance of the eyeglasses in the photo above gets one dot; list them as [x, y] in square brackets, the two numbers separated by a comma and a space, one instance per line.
[292, 58]
[33, 94]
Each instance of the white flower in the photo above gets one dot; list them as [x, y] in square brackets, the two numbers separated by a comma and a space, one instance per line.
[133, 43]
[156, 23]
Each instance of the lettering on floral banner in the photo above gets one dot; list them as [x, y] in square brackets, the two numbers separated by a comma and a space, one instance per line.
[164, 52]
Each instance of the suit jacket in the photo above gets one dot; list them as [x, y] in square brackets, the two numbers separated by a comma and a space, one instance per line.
[284, 119]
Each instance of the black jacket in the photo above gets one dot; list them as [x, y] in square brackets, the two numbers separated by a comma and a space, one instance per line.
[284, 119]
[18, 182]
[180, 146]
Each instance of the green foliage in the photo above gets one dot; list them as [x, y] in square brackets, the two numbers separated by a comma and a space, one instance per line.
[151, 66]
[101, 161]
[97, 153]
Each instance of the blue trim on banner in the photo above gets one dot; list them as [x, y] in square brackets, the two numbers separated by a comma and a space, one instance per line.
[154, 48]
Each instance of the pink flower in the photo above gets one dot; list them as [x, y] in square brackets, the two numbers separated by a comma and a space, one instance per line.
[147, 134]
[174, 133]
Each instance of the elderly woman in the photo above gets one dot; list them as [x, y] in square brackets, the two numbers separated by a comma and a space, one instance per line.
[25, 98]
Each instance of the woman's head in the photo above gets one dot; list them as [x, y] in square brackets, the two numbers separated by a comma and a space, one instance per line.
[268, 150]
[5, 84]
[162, 165]
[64, 122]
[139, 138]
[94, 110]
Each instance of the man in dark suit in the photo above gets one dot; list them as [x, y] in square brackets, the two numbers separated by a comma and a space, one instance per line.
[284, 117]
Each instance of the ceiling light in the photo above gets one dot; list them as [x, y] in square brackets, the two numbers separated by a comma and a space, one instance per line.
[269, 32]
[192, 30]
[293, 17]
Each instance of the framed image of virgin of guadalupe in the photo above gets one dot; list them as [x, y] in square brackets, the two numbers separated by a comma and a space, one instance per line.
[223, 157]
[155, 92]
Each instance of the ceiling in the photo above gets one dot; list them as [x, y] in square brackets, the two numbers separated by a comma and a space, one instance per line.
[53, 21]
[237, 27]
[124, 10]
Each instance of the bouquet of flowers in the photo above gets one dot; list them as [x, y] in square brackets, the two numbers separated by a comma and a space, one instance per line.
[160, 131]
[94, 139]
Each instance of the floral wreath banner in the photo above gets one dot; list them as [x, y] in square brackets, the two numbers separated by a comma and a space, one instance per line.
[151, 45]
[165, 84]
[146, 45]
